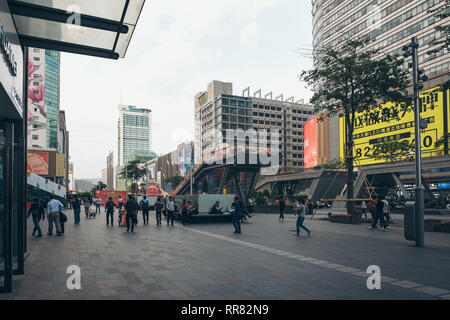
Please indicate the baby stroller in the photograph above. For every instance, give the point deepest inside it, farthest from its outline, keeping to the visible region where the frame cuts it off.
(92, 212)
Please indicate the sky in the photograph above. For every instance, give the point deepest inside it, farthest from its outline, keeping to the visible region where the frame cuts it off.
(177, 48)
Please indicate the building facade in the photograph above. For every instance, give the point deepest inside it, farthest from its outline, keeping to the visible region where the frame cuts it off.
(72, 187)
(218, 110)
(391, 23)
(135, 135)
(43, 98)
(110, 171)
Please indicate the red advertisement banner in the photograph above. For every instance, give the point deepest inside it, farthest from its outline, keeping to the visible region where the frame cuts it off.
(105, 195)
(311, 145)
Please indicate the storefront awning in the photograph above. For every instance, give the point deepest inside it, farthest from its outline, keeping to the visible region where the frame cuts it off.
(101, 28)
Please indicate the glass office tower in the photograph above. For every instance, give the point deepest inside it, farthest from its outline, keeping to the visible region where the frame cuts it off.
(391, 23)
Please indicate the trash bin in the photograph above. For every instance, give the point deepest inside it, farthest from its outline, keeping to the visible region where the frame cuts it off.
(408, 220)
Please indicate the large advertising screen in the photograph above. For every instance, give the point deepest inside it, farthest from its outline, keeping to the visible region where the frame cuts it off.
(105, 195)
(311, 147)
(391, 122)
(37, 162)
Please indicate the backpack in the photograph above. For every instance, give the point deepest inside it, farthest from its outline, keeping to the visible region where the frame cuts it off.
(62, 218)
(145, 205)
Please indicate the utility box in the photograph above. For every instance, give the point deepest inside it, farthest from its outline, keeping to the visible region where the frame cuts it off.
(409, 220)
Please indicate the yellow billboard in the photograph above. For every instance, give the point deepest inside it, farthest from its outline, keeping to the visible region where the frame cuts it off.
(392, 122)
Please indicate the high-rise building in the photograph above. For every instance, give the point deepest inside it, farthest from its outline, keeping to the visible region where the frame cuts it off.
(218, 110)
(391, 23)
(110, 171)
(135, 132)
(43, 98)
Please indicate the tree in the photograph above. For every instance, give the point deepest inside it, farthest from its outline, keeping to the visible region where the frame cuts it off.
(350, 79)
(101, 186)
(133, 171)
(175, 181)
(393, 150)
(443, 43)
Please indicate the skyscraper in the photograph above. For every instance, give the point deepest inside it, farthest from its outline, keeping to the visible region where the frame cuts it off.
(135, 135)
(391, 23)
(43, 98)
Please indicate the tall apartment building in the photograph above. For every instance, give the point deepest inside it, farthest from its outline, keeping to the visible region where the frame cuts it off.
(217, 110)
(135, 132)
(43, 98)
(391, 23)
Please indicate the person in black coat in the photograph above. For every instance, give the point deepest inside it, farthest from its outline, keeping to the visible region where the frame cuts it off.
(36, 211)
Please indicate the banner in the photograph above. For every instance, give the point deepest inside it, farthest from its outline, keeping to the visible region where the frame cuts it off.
(311, 145)
(153, 190)
(391, 122)
(37, 162)
(105, 195)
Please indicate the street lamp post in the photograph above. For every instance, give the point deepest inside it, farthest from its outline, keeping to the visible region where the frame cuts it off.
(418, 125)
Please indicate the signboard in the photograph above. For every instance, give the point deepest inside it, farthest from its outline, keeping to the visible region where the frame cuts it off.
(311, 146)
(443, 185)
(105, 195)
(60, 165)
(11, 66)
(37, 162)
(391, 122)
(153, 190)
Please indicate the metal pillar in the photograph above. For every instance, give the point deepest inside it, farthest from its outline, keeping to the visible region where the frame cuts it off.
(419, 212)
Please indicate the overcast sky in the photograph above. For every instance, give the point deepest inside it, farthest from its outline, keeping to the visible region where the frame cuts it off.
(177, 48)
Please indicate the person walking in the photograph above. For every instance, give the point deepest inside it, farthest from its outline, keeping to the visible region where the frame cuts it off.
(53, 208)
(372, 205)
(131, 208)
(158, 208)
(301, 218)
(36, 211)
(379, 215)
(86, 207)
(120, 202)
(386, 214)
(109, 209)
(363, 209)
(170, 210)
(145, 208)
(236, 215)
(98, 203)
(76, 210)
(282, 205)
(184, 212)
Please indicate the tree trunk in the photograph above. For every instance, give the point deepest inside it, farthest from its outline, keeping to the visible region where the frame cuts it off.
(349, 164)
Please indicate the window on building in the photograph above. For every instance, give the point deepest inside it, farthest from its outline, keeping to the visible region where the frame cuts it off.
(35, 137)
(233, 103)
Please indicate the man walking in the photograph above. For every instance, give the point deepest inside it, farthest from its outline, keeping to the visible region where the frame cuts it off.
(131, 207)
(53, 208)
(363, 209)
(379, 215)
(236, 215)
(301, 218)
(282, 205)
(98, 202)
(86, 207)
(145, 208)
(184, 212)
(158, 207)
(36, 212)
(170, 210)
(76, 210)
(109, 209)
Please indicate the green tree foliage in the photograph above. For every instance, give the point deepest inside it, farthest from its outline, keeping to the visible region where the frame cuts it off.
(443, 43)
(175, 181)
(133, 171)
(354, 79)
(393, 150)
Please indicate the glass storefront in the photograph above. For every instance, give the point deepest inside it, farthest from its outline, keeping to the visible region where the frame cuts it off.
(2, 204)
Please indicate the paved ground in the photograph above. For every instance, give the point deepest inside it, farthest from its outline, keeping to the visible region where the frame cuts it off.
(208, 261)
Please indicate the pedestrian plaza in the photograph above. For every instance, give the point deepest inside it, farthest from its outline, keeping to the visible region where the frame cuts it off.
(208, 261)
